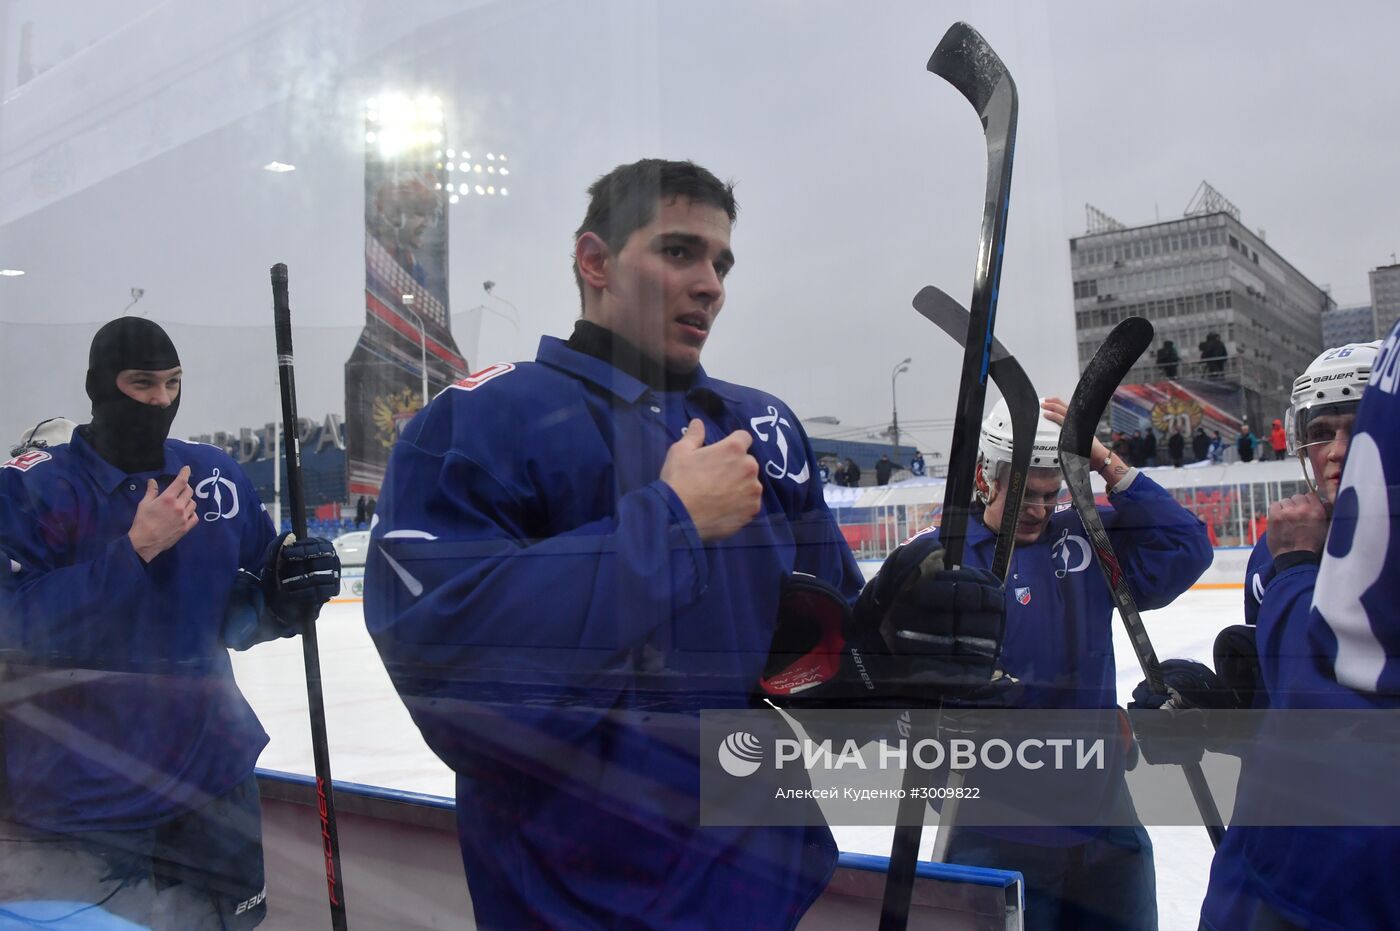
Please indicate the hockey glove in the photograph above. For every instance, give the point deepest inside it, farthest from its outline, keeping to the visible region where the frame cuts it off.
(1237, 662)
(1171, 727)
(935, 632)
(298, 577)
(809, 640)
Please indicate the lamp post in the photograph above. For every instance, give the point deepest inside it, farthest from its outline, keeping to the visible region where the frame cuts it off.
(894, 407)
(422, 343)
(514, 320)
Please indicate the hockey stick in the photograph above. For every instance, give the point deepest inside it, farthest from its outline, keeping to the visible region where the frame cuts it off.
(965, 60)
(1024, 405)
(1101, 378)
(1015, 386)
(330, 836)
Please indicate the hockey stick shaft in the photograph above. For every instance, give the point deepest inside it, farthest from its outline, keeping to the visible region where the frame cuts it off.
(325, 796)
(965, 60)
(1011, 380)
(1091, 397)
(1015, 386)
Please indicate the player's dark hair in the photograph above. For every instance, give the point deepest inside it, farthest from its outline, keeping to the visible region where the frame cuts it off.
(626, 198)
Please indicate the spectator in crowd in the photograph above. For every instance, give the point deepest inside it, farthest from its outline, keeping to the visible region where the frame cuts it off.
(1213, 354)
(852, 473)
(1217, 448)
(361, 512)
(1135, 449)
(1200, 445)
(1167, 358)
(369, 511)
(916, 465)
(1278, 440)
(883, 470)
(1149, 448)
(1245, 444)
(824, 471)
(1176, 445)
(838, 474)
(1121, 444)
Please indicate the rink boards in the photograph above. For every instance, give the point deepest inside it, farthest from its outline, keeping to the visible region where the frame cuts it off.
(402, 869)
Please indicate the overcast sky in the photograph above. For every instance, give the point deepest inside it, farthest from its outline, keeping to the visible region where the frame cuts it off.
(134, 161)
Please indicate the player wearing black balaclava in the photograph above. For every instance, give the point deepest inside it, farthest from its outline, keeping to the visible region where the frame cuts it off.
(128, 433)
(130, 758)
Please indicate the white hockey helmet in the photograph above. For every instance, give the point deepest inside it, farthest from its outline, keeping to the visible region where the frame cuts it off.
(1334, 381)
(994, 445)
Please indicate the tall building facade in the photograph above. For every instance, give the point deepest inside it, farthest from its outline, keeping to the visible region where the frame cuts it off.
(1385, 297)
(1195, 276)
(1349, 325)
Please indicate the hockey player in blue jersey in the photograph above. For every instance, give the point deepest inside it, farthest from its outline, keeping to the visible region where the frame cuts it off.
(129, 563)
(1059, 645)
(1327, 637)
(573, 556)
(1318, 421)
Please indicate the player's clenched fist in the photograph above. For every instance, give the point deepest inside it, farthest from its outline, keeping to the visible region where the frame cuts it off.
(163, 517)
(1297, 523)
(718, 484)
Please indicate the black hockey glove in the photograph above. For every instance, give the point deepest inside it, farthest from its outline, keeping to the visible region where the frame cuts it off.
(1237, 662)
(934, 633)
(298, 577)
(1172, 727)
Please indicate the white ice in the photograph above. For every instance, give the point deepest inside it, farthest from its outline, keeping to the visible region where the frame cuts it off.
(373, 741)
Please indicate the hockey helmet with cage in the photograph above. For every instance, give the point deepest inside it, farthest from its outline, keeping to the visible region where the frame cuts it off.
(994, 445)
(1331, 384)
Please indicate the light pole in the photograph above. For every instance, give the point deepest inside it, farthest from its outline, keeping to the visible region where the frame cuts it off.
(422, 343)
(894, 407)
(514, 320)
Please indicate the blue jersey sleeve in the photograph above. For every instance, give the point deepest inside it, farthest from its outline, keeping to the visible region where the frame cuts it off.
(1257, 576)
(1162, 547)
(49, 595)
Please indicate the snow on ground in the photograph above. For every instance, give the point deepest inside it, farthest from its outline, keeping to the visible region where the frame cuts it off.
(374, 741)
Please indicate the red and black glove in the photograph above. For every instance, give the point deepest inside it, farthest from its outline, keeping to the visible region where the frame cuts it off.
(919, 633)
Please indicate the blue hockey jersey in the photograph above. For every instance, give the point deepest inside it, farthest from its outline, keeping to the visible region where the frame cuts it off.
(122, 709)
(1060, 616)
(1059, 610)
(1329, 638)
(553, 623)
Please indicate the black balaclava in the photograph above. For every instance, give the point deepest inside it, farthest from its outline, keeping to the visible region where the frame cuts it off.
(128, 434)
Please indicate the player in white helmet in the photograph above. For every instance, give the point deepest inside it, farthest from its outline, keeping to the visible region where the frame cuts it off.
(1318, 424)
(1044, 481)
(1059, 646)
(1279, 585)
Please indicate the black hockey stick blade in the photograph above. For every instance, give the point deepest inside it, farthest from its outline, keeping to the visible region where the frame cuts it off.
(1123, 347)
(951, 317)
(1101, 378)
(965, 60)
(329, 845)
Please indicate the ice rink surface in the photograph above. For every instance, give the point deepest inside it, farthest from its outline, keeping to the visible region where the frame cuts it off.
(373, 740)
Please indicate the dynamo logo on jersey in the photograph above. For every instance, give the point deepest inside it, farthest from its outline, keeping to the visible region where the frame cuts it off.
(741, 754)
(778, 468)
(215, 488)
(1071, 553)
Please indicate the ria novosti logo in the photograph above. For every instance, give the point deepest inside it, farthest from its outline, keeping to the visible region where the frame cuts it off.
(741, 754)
